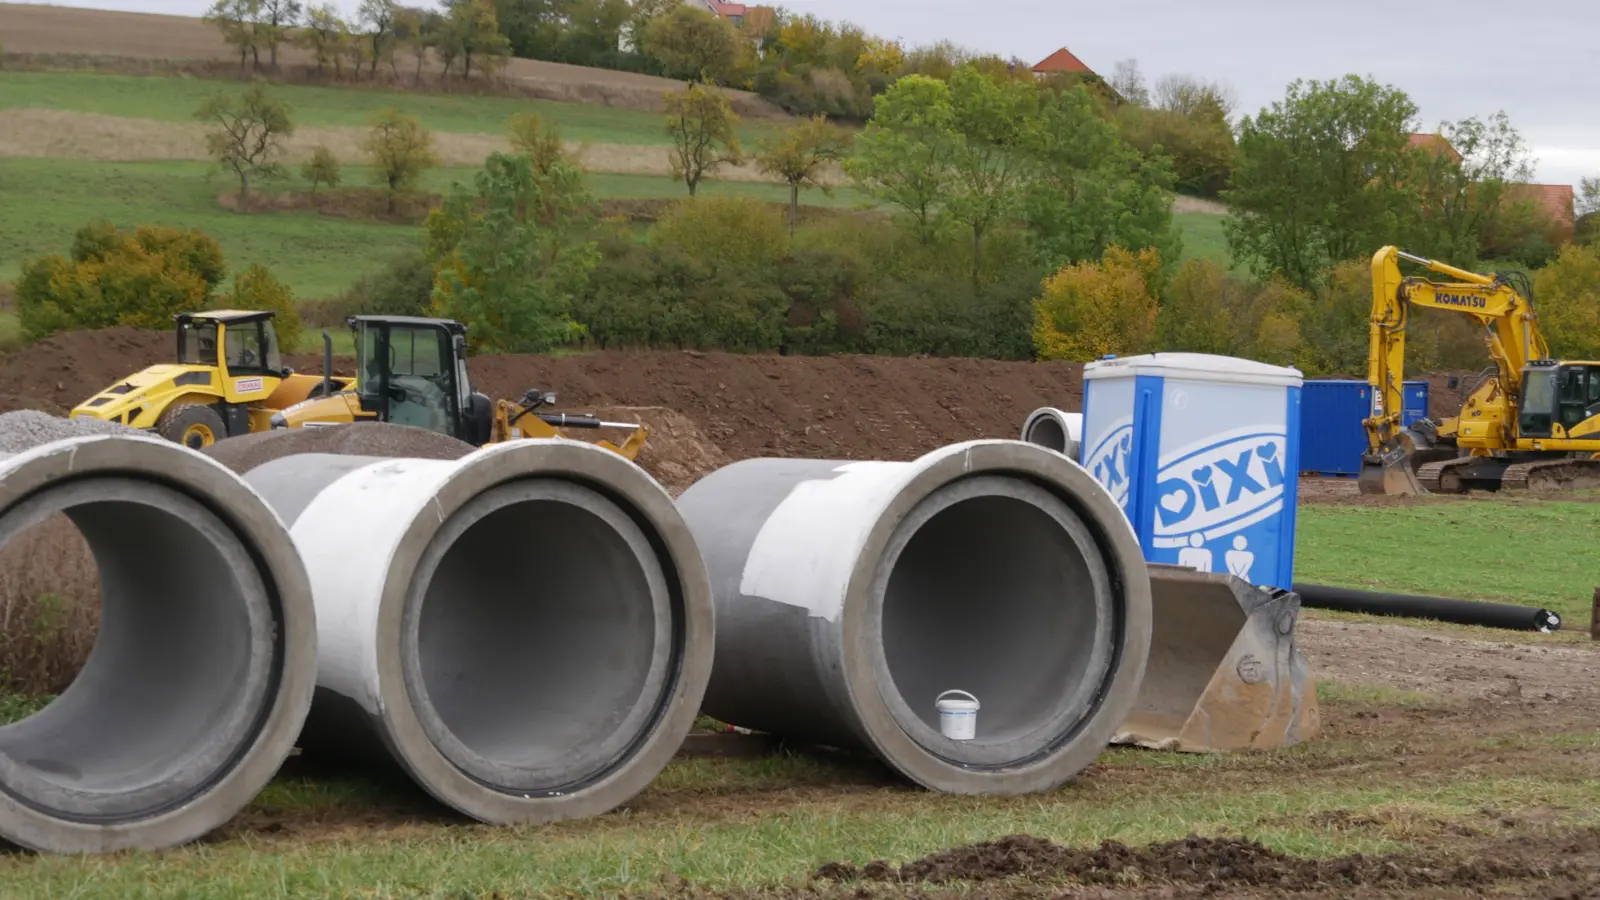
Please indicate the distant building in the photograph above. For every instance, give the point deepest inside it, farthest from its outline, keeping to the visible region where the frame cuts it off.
(1558, 201)
(1061, 62)
(1434, 142)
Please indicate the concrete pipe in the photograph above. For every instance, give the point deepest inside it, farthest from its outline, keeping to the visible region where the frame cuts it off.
(851, 595)
(203, 670)
(1054, 429)
(526, 631)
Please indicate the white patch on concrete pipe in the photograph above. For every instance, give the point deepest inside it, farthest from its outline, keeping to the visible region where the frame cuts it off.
(806, 549)
(347, 537)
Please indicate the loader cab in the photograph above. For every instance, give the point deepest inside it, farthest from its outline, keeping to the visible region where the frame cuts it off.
(412, 371)
(242, 342)
(1557, 394)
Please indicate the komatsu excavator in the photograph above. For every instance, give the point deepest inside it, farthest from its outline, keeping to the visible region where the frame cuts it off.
(1534, 424)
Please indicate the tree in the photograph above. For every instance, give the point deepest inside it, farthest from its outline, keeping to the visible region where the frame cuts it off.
(248, 133)
(417, 30)
(1128, 81)
(641, 14)
(257, 288)
(990, 166)
(502, 271)
(274, 20)
(1321, 176)
(1091, 309)
(1188, 96)
(1464, 200)
(797, 155)
(1567, 299)
(904, 155)
(539, 140)
(378, 16)
(400, 150)
(473, 33)
(321, 168)
(236, 19)
(701, 122)
(323, 36)
(692, 44)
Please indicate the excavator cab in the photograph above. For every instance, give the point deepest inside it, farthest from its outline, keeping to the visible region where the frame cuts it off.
(412, 371)
(1557, 398)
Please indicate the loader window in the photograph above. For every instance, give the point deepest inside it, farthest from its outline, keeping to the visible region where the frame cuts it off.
(422, 385)
(1578, 388)
(244, 347)
(197, 344)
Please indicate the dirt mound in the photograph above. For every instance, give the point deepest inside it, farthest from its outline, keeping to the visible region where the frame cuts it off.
(1193, 860)
(59, 372)
(676, 453)
(243, 453)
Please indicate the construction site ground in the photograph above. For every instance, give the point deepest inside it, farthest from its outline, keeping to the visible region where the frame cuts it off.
(1452, 762)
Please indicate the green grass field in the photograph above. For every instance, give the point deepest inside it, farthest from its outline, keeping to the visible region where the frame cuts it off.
(317, 256)
(167, 99)
(1536, 553)
(1203, 237)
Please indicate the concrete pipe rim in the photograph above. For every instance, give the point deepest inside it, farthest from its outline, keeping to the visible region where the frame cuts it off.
(1048, 428)
(1124, 672)
(689, 591)
(267, 738)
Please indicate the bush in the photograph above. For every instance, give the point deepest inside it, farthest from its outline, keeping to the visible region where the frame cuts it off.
(1567, 299)
(322, 169)
(257, 288)
(724, 232)
(1205, 309)
(141, 279)
(403, 287)
(1091, 309)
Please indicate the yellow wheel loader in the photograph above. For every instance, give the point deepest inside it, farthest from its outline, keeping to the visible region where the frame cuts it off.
(228, 380)
(413, 371)
(1534, 423)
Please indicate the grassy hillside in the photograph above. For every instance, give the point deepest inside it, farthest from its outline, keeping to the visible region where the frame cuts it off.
(166, 99)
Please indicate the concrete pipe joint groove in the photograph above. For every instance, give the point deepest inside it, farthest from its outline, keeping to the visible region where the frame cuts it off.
(203, 669)
(851, 595)
(526, 631)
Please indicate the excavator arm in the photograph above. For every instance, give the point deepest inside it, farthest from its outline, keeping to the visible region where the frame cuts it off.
(1513, 337)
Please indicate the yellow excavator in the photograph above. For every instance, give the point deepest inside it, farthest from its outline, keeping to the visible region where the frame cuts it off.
(413, 371)
(1533, 424)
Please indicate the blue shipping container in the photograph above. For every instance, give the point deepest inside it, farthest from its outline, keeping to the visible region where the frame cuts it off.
(1331, 437)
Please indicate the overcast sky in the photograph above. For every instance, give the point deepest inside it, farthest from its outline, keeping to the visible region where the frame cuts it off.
(1539, 60)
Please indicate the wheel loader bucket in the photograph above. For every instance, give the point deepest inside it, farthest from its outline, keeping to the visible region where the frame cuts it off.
(1224, 672)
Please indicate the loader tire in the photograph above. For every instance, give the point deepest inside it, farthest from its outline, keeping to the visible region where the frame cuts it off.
(194, 425)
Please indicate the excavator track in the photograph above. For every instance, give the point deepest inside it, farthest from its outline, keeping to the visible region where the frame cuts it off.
(1443, 476)
(1551, 476)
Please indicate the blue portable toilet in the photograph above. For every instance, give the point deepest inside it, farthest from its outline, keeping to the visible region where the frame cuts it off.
(1200, 452)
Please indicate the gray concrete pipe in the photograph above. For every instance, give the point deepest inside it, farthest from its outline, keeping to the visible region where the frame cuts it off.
(851, 594)
(203, 670)
(1054, 429)
(526, 631)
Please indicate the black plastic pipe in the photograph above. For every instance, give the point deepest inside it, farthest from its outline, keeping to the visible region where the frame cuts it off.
(1444, 609)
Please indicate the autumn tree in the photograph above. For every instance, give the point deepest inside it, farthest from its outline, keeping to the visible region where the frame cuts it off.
(798, 155)
(701, 122)
(418, 32)
(472, 34)
(321, 169)
(257, 288)
(1091, 309)
(400, 150)
(274, 22)
(378, 18)
(323, 36)
(691, 44)
(247, 133)
(236, 19)
(1567, 299)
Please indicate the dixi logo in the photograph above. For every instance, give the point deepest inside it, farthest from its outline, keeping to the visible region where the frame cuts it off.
(1108, 461)
(1219, 488)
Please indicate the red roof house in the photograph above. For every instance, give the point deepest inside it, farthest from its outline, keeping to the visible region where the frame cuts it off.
(1556, 200)
(1061, 62)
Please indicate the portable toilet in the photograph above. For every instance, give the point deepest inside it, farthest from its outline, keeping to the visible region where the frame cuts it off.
(1200, 451)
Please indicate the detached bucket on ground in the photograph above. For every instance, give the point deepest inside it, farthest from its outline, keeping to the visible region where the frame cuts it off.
(527, 630)
(851, 595)
(1224, 671)
(203, 669)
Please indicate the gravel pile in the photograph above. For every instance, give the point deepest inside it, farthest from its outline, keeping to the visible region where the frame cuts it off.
(243, 453)
(25, 429)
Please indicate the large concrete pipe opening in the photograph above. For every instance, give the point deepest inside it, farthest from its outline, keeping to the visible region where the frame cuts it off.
(202, 670)
(533, 622)
(850, 596)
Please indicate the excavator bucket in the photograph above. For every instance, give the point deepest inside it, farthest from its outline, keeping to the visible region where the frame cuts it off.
(1390, 473)
(1224, 672)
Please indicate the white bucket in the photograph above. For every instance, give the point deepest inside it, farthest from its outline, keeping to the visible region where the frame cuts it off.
(958, 719)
